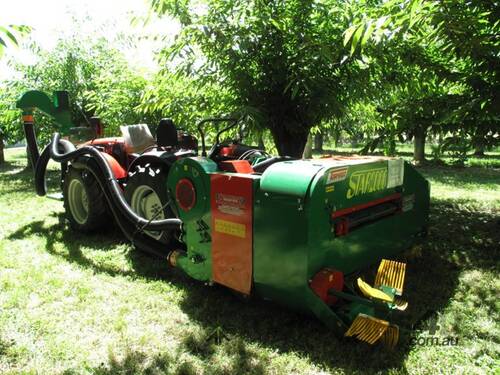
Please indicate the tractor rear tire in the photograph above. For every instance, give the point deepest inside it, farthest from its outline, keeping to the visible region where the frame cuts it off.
(146, 192)
(84, 202)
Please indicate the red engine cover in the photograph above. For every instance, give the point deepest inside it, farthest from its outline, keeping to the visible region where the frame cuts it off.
(117, 169)
(236, 166)
(107, 144)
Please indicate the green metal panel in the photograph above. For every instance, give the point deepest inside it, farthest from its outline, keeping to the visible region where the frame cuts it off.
(289, 177)
(198, 262)
(293, 230)
(57, 107)
(280, 249)
(294, 238)
(372, 242)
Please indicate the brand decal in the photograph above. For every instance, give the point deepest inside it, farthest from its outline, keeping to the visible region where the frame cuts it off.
(231, 228)
(367, 181)
(336, 175)
(230, 204)
(395, 175)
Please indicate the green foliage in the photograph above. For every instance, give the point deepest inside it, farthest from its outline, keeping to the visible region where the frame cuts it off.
(10, 34)
(441, 60)
(97, 77)
(376, 71)
(10, 118)
(381, 22)
(184, 100)
(282, 63)
(116, 93)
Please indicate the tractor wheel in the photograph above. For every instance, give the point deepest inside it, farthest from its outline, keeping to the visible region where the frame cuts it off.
(146, 192)
(84, 202)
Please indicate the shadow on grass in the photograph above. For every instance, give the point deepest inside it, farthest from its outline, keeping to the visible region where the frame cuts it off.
(60, 233)
(430, 282)
(459, 238)
(16, 178)
(456, 176)
(241, 361)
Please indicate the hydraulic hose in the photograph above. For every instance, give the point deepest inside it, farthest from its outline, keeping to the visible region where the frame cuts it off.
(43, 160)
(107, 181)
(137, 238)
(40, 169)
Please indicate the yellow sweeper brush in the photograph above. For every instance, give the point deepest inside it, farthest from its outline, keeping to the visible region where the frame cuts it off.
(389, 283)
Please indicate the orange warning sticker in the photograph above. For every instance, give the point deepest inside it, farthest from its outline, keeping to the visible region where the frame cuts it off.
(336, 175)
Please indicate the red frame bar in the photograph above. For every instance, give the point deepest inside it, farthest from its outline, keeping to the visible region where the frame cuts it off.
(349, 210)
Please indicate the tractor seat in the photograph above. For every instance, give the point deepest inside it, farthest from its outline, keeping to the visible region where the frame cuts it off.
(166, 133)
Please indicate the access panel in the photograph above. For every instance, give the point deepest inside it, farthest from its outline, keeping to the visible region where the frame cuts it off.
(231, 201)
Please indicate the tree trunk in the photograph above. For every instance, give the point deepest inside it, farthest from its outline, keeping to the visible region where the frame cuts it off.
(479, 150)
(419, 146)
(307, 154)
(336, 138)
(2, 156)
(318, 142)
(290, 143)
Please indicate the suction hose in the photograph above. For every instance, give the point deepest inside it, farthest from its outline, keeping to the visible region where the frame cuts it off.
(139, 239)
(108, 183)
(43, 160)
(39, 161)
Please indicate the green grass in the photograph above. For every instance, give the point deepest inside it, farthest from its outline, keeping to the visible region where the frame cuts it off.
(74, 304)
(491, 159)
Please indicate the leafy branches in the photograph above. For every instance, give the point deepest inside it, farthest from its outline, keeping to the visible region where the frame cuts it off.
(10, 34)
(382, 23)
(282, 63)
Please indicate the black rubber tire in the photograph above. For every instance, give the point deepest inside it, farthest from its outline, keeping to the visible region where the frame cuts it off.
(155, 177)
(98, 215)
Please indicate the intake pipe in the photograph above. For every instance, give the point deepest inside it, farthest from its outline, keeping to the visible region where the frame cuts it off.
(29, 133)
(43, 160)
(106, 179)
(136, 237)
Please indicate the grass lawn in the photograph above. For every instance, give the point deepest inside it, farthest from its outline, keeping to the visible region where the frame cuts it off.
(77, 304)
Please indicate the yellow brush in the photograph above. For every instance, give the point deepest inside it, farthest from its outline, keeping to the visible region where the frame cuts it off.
(367, 328)
(392, 274)
(390, 336)
(400, 304)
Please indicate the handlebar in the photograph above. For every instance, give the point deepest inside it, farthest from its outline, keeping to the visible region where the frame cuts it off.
(233, 122)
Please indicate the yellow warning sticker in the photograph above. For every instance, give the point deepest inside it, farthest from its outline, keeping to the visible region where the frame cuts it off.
(230, 227)
(330, 188)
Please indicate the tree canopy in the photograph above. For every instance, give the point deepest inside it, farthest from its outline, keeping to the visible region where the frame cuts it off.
(376, 72)
(282, 62)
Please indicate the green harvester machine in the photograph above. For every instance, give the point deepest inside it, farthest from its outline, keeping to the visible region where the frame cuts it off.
(297, 232)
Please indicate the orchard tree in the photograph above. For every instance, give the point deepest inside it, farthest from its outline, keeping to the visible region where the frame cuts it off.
(462, 38)
(99, 81)
(8, 36)
(471, 30)
(184, 100)
(282, 63)
(418, 93)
